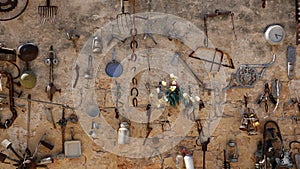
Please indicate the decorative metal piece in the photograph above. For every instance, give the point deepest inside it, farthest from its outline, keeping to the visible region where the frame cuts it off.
(247, 75)
(291, 61)
(11, 9)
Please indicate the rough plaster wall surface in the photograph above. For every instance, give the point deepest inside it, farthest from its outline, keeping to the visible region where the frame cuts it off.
(86, 17)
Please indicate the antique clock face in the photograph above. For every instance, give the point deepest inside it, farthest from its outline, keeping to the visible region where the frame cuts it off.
(274, 34)
(164, 43)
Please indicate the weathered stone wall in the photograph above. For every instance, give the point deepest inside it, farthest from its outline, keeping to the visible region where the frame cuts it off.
(87, 18)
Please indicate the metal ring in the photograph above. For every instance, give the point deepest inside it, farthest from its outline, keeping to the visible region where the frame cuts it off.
(133, 32)
(198, 141)
(137, 91)
(135, 102)
(133, 57)
(133, 69)
(134, 42)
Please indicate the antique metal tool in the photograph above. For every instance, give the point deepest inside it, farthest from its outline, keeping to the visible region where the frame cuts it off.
(276, 90)
(215, 14)
(51, 61)
(123, 18)
(221, 53)
(201, 142)
(149, 129)
(291, 61)
(267, 95)
(8, 145)
(247, 75)
(7, 54)
(180, 59)
(63, 123)
(9, 122)
(272, 145)
(297, 21)
(47, 12)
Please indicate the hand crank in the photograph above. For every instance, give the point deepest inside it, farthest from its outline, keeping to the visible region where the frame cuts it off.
(149, 129)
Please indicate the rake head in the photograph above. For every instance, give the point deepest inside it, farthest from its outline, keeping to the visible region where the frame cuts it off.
(124, 21)
(47, 12)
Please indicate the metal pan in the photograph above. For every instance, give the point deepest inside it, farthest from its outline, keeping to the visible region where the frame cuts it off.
(114, 68)
(28, 52)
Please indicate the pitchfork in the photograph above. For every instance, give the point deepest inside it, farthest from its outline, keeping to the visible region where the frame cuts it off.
(123, 17)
